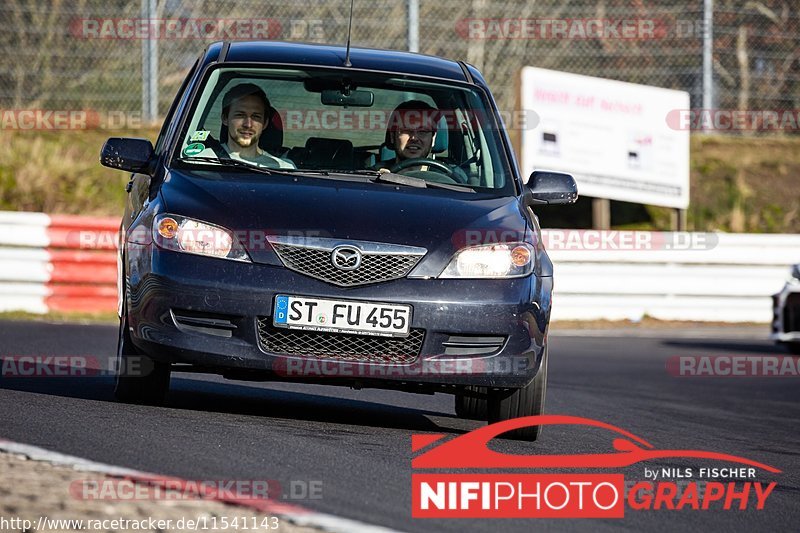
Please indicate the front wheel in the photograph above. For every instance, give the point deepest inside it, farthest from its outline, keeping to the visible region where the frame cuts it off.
(139, 379)
(515, 403)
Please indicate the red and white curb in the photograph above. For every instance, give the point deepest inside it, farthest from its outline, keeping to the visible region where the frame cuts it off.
(292, 513)
(57, 262)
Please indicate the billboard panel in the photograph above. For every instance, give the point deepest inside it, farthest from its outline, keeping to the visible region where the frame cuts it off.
(611, 135)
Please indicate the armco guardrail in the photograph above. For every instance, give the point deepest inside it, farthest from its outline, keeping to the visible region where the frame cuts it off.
(670, 276)
(57, 263)
(68, 263)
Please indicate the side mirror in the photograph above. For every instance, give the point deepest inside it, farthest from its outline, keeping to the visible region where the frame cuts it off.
(796, 271)
(132, 155)
(547, 187)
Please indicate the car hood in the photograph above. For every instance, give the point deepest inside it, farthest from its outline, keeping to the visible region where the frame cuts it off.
(440, 221)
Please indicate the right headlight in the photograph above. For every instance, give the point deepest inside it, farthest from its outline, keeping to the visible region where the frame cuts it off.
(498, 261)
(184, 234)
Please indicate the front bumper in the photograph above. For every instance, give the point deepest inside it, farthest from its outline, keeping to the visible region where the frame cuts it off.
(225, 300)
(786, 314)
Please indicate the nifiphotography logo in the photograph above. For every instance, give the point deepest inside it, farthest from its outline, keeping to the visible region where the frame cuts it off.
(723, 482)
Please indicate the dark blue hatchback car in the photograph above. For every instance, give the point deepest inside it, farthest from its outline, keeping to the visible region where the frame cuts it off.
(353, 218)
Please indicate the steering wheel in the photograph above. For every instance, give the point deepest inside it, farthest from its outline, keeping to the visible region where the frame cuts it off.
(424, 161)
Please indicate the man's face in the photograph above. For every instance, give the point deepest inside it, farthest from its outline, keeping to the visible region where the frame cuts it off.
(245, 121)
(413, 143)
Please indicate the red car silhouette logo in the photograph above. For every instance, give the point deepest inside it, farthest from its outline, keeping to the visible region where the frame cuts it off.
(470, 450)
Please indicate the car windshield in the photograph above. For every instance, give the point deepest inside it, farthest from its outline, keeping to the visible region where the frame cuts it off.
(347, 121)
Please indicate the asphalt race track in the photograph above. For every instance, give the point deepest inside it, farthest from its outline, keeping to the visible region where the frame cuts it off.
(357, 443)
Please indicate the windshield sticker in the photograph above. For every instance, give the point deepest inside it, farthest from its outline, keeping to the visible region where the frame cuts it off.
(199, 136)
(193, 149)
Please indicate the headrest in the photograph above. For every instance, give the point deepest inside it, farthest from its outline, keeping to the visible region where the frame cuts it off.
(329, 153)
(442, 137)
(271, 138)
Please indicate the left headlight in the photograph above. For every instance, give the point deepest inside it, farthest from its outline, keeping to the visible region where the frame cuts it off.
(504, 260)
(192, 236)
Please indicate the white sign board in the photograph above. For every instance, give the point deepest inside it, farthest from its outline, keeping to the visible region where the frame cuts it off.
(611, 135)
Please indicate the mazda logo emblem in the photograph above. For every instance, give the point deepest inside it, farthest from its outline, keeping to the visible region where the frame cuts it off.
(346, 257)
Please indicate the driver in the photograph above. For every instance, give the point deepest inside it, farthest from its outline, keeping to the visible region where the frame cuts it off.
(411, 133)
(244, 111)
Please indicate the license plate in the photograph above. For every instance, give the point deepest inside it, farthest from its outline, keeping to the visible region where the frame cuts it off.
(342, 316)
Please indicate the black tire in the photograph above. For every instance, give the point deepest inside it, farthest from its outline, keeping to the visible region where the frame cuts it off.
(471, 408)
(793, 347)
(515, 403)
(139, 379)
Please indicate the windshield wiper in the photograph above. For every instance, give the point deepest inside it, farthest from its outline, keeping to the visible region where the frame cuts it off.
(359, 172)
(329, 172)
(399, 179)
(449, 186)
(227, 161)
(382, 177)
(230, 162)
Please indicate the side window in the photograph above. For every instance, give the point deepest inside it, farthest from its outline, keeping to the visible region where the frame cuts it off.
(163, 134)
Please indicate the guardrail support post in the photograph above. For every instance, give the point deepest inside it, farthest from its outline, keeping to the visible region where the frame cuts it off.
(601, 213)
(678, 221)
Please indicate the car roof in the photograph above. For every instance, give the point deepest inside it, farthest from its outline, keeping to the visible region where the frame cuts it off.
(333, 56)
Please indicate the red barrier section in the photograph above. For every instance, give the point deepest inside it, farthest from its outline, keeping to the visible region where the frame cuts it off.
(84, 273)
(83, 233)
(83, 263)
(82, 222)
(82, 298)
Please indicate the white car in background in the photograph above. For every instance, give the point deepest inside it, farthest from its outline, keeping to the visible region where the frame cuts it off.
(786, 313)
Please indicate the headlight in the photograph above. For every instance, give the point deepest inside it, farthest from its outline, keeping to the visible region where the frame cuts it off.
(195, 237)
(506, 260)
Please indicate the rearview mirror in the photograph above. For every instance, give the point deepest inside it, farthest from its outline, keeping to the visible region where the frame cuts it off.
(351, 98)
(547, 187)
(132, 155)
